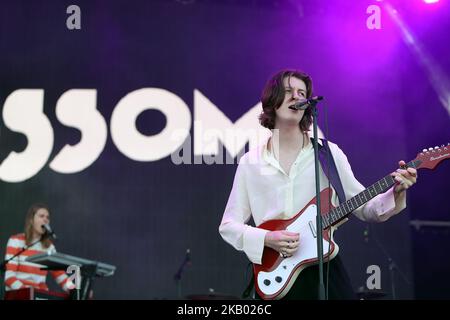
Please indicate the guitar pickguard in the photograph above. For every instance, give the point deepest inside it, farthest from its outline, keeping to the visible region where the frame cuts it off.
(271, 282)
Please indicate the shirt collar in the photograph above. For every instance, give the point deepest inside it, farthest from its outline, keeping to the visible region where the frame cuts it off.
(267, 152)
(268, 155)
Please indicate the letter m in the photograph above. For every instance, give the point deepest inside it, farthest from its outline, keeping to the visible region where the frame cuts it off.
(212, 126)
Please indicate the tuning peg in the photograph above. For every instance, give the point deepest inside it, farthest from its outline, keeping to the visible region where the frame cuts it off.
(429, 149)
(424, 150)
(436, 148)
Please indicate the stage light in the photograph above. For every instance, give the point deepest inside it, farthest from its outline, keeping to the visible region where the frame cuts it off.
(430, 1)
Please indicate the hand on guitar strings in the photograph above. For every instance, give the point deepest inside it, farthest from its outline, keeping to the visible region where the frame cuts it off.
(282, 241)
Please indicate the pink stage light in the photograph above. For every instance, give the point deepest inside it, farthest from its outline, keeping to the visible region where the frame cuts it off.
(430, 1)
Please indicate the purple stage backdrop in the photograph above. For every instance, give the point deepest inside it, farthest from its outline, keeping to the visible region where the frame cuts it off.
(98, 98)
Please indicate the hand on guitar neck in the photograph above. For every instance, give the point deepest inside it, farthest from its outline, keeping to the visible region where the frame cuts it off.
(405, 178)
(282, 241)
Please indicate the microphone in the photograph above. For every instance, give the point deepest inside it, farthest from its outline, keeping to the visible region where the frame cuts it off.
(305, 103)
(49, 231)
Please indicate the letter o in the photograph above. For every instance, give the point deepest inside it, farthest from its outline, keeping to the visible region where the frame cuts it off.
(139, 147)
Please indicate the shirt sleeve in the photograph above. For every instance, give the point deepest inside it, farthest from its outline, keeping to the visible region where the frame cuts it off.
(380, 208)
(11, 280)
(62, 280)
(234, 228)
(60, 276)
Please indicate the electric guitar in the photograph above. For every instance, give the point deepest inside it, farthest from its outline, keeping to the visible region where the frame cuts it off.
(275, 275)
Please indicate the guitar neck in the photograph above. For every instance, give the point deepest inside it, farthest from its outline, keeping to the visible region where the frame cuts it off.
(347, 207)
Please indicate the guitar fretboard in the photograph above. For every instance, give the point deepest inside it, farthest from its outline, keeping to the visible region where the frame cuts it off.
(347, 207)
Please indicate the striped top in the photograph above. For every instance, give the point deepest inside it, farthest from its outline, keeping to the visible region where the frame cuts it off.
(21, 274)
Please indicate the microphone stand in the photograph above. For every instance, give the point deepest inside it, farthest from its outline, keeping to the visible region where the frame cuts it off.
(5, 262)
(177, 276)
(319, 228)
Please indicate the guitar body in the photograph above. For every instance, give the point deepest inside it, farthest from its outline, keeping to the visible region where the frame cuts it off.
(275, 275)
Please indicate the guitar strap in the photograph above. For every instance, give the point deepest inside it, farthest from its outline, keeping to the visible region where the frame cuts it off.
(329, 168)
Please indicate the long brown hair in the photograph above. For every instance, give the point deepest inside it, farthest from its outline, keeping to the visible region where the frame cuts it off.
(29, 224)
(273, 96)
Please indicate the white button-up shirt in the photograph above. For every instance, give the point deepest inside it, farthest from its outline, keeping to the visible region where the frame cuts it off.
(263, 191)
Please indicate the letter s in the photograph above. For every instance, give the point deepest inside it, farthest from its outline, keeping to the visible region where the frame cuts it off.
(23, 112)
(77, 108)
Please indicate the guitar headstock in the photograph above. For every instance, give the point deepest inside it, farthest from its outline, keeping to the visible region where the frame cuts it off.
(430, 158)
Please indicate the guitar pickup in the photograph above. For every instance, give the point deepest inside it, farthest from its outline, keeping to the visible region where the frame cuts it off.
(313, 229)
